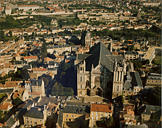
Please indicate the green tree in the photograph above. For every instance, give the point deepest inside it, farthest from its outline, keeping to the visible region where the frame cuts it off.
(2, 96)
(106, 123)
(10, 33)
(20, 74)
(110, 122)
(2, 36)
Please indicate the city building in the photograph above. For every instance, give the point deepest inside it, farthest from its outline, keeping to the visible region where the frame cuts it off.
(36, 116)
(154, 79)
(72, 113)
(98, 112)
(149, 111)
(95, 71)
(127, 115)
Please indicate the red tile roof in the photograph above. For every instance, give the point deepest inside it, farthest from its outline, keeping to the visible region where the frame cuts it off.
(12, 83)
(30, 57)
(39, 69)
(35, 93)
(67, 61)
(1, 85)
(48, 59)
(5, 106)
(1, 9)
(101, 107)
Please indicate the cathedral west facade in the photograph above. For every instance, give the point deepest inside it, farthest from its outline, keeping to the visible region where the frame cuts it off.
(103, 74)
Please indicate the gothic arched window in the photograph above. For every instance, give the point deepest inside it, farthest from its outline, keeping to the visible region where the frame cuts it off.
(97, 80)
(87, 84)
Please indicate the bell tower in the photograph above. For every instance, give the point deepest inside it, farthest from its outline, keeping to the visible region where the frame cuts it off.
(118, 81)
(88, 39)
(43, 89)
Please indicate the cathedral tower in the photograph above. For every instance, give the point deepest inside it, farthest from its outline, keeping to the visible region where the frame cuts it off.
(118, 81)
(43, 89)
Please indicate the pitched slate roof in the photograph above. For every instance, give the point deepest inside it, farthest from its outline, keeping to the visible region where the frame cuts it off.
(10, 122)
(127, 85)
(34, 113)
(136, 80)
(73, 108)
(99, 54)
(137, 126)
(151, 109)
(82, 57)
(154, 76)
(6, 90)
(76, 109)
(46, 100)
(133, 80)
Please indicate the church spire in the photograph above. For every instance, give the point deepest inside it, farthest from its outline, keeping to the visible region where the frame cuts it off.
(43, 89)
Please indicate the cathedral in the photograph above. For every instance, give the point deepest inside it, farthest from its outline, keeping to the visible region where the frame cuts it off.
(101, 73)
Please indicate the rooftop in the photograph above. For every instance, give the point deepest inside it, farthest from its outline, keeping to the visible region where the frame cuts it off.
(35, 112)
(99, 54)
(136, 79)
(101, 108)
(77, 109)
(151, 109)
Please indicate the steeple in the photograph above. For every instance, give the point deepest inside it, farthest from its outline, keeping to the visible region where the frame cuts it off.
(43, 89)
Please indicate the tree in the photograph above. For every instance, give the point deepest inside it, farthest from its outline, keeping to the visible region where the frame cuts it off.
(10, 33)
(74, 40)
(110, 122)
(20, 74)
(106, 123)
(76, 15)
(1, 35)
(2, 96)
